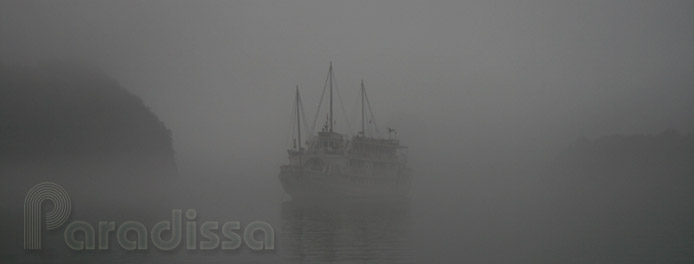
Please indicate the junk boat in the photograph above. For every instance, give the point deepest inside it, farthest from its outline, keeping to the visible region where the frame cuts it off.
(329, 165)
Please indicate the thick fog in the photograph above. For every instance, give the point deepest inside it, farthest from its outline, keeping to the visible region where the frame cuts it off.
(487, 95)
(526, 74)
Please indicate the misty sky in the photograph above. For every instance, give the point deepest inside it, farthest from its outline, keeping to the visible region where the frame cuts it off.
(488, 76)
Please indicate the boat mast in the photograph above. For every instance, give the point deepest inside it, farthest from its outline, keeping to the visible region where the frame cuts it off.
(298, 118)
(330, 75)
(362, 109)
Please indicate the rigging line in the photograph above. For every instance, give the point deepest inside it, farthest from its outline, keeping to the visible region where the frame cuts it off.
(315, 118)
(298, 118)
(303, 116)
(373, 117)
(342, 105)
(354, 111)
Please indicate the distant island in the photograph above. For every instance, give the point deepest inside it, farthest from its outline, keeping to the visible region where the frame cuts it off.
(72, 124)
(656, 157)
(623, 193)
(614, 167)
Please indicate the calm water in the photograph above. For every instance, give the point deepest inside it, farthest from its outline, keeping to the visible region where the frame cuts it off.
(458, 223)
(305, 233)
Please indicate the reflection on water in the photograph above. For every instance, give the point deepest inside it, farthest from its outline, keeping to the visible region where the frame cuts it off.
(305, 233)
(345, 232)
